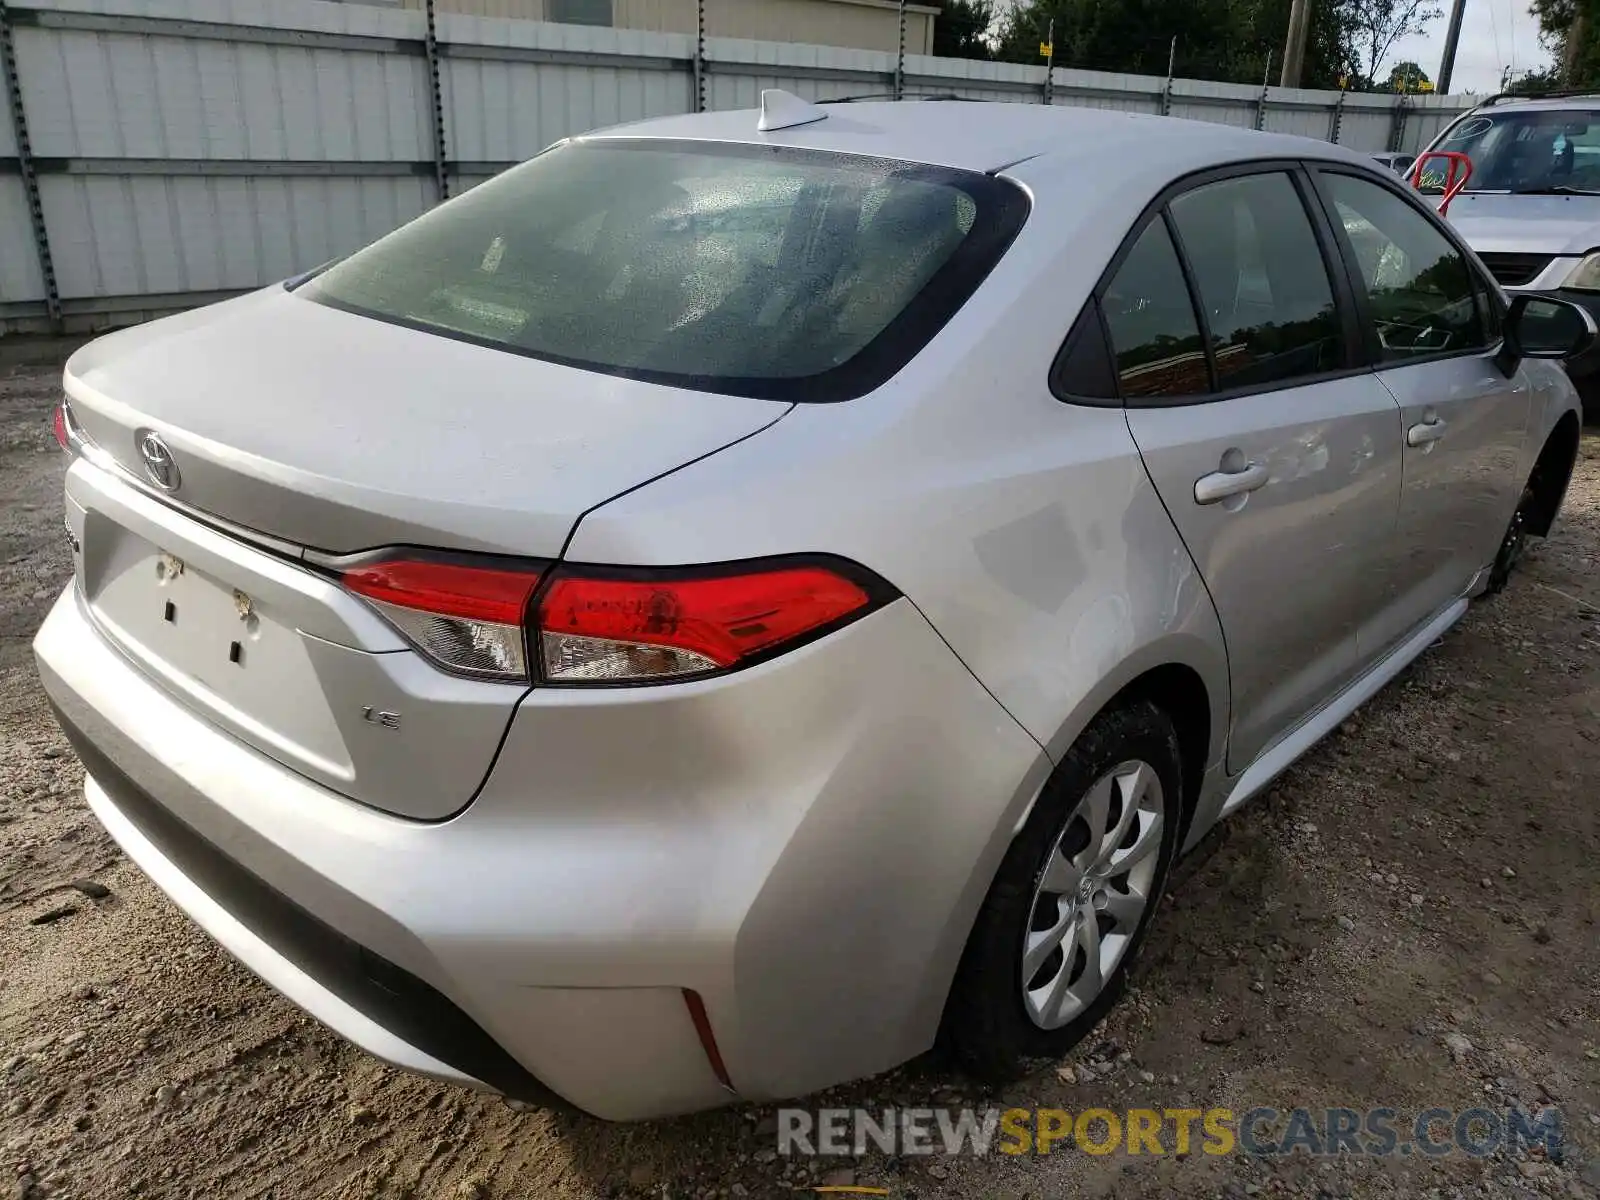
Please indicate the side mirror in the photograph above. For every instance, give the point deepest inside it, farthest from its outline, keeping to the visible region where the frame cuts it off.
(1544, 327)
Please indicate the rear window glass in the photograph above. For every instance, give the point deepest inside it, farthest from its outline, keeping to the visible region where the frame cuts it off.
(749, 270)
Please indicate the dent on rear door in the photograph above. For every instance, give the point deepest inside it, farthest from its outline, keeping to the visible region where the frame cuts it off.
(1290, 566)
(1285, 496)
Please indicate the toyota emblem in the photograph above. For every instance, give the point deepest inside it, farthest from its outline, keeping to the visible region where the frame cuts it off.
(158, 462)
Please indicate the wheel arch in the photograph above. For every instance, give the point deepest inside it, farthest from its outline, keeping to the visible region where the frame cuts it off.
(1552, 472)
(1178, 690)
(1187, 678)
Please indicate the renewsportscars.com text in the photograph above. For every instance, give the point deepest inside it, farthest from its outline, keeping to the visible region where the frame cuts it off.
(1261, 1132)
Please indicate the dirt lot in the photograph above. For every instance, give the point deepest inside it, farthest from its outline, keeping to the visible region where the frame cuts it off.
(1432, 872)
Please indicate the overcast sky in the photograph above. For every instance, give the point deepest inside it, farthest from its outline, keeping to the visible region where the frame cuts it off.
(1495, 34)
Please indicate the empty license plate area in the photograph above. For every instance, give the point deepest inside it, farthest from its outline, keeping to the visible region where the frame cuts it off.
(229, 652)
(280, 656)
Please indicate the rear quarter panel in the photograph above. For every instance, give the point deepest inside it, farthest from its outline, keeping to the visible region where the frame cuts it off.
(1025, 529)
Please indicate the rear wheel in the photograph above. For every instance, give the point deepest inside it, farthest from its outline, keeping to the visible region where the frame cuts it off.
(1072, 901)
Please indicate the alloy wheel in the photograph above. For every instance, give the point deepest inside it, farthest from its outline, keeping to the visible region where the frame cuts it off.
(1093, 894)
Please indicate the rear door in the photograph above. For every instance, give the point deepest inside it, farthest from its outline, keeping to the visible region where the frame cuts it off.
(1432, 323)
(1274, 448)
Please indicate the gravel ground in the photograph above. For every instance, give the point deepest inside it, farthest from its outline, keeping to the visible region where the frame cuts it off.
(1407, 920)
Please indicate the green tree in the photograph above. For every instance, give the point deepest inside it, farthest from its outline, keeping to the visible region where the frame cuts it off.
(1329, 55)
(1406, 76)
(1570, 30)
(1547, 80)
(961, 29)
(1134, 36)
(1239, 40)
(1236, 40)
(1374, 26)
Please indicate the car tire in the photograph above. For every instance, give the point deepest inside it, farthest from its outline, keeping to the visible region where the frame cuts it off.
(1589, 397)
(1515, 541)
(1058, 874)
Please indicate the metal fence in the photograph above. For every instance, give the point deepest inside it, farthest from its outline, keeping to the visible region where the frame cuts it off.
(165, 153)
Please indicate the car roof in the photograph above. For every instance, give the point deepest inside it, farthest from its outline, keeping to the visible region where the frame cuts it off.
(979, 136)
(1588, 102)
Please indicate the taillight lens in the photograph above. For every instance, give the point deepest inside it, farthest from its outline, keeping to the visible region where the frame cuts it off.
(69, 434)
(603, 625)
(607, 626)
(467, 618)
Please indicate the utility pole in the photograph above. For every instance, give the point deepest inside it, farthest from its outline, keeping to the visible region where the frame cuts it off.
(1294, 50)
(1452, 39)
(1049, 49)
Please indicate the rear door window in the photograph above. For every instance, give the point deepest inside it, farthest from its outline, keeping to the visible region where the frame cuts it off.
(1263, 284)
(1154, 332)
(752, 270)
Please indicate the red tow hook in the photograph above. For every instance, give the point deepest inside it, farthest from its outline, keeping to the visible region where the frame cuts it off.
(1452, 185)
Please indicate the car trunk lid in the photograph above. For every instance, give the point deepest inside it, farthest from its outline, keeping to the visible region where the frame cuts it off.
(338, 432)
(297, 426)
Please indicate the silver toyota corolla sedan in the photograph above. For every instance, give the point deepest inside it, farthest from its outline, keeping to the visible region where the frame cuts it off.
(741, 599)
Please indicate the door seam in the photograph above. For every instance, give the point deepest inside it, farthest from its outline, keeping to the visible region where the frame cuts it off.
(1216, 613)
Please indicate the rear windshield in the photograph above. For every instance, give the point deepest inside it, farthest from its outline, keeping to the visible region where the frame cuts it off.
(1532, 150)
(750, 270)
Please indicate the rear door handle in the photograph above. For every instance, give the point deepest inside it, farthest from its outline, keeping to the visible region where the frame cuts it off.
(1219, 485)
(1425, 434)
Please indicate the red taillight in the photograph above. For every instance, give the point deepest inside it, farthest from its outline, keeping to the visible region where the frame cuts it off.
(610, 626)
(470, 592)
(467, 618)
(63, 438)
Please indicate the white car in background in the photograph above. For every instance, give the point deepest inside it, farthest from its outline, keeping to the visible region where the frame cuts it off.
(1398, 163)
(1531, 208)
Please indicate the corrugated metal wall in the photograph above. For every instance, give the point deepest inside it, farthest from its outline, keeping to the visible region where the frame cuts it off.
(187, 149)
(859, 24)
(19, 262)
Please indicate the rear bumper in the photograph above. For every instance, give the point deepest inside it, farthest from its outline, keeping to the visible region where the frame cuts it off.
(389, 1012)
(803, 845)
